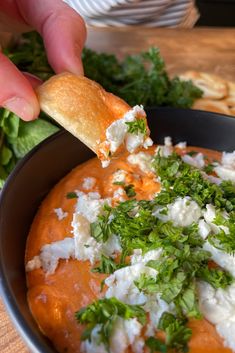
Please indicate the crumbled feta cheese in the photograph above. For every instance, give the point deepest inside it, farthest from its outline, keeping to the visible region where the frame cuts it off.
(124, 334)
(165, 151)
(168, 141)
(196, 161)
(133, 141)
(226, 170)
(212, 178)
(148, 142)
(228, 158)
(218, 307)
(226, 329)
(88, 183)
(203, 228)
(209, 215)
(118, 194)
(119, 176)
(181, 145)
(50, 254)
(225, 173)
(137, 256)
(94, 345)
(121, 283)
(182, 212)
(33, 264)
(156, 306)
(111, 246)
(143, 160)
(90, 205)
(60, 213)
(117, 132)
(86, 247)
(223, 259)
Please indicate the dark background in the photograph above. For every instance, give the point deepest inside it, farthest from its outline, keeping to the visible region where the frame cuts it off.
(216, 13)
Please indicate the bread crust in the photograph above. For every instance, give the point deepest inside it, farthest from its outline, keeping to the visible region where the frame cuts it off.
(81, 106)
(213, 87)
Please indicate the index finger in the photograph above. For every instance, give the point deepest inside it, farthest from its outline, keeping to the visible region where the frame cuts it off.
(62, 29)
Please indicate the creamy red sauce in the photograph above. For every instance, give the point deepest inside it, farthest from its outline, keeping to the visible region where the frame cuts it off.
(53, 299)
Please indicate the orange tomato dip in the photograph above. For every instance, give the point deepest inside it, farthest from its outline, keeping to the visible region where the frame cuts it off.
(53, 299)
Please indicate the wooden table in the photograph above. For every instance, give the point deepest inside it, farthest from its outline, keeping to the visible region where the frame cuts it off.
(210, 50)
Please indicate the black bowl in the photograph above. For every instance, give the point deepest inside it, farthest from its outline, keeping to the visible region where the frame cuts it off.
(35, 175)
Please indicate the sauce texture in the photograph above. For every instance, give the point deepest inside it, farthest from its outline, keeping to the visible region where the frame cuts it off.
(53, 299)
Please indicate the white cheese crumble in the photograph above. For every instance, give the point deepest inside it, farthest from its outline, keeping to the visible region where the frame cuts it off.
(90, 205)
(88, 183)
(143, 160)
(121, 284)
(226, 169)
(213, 179)
(209, 215)
(138, 257)
(119, 194)
(116, 133)
(182, 212)
(119, 176)
(167, 149)
(86, 247)
(33, 264)
(50, 255)
(94, 345)
(223, 259)
(60, 213)
(218, 307)
(196, 161)
(182, 145)
(125, 333)
(156, 306)
(203, 229)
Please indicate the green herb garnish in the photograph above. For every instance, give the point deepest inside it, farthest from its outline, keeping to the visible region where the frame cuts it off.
(130, 191)
(105, 312)
(107, 265)
(71, 195)
(177, 334)
(137, 126)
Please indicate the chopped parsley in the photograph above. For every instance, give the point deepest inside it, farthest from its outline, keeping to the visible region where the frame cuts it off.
(179, 179)
(137, 126)
(104, 312)
(177, 334)
(182, 260)
(71, 195)
(107, 265)
(119, 183)
(130, 191)
(156, 345)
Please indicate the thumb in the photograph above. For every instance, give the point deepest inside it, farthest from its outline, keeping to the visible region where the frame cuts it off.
(16, 93)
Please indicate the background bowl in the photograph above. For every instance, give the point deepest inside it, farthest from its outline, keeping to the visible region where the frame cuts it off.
(46, 164)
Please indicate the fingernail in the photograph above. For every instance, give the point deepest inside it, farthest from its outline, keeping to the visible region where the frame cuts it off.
(20, 107)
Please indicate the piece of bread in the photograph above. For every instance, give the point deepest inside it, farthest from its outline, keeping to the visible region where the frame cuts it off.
(230, 102)
(81, 106)
(213, 87)
(212, 106)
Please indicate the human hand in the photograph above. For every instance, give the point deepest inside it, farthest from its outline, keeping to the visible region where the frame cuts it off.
(64, 34)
